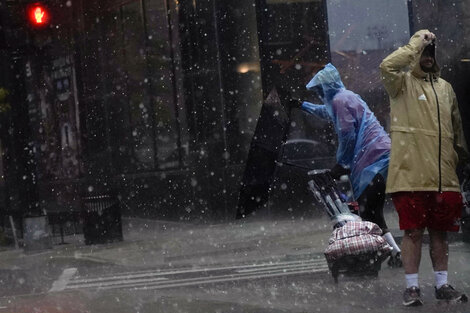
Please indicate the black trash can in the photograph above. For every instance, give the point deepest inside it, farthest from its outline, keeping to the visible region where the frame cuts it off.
(101, 215)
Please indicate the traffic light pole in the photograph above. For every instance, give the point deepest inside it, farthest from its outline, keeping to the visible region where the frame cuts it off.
(23, 132)
(24, 149)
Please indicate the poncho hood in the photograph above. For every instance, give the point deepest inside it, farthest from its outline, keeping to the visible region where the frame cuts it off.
(329, 80)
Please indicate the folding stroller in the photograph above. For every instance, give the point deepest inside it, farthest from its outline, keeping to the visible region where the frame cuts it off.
(355, 246)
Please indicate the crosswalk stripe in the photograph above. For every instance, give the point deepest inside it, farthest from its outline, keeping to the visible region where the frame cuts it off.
(116, 277)
(61, 283)
(225, 279)
(273, 268)
(157, 279)
(144, 283)
(277, 268)
(111, 283)
(196, 270)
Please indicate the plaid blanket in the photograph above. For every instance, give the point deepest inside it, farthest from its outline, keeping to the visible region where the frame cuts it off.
(356, 238)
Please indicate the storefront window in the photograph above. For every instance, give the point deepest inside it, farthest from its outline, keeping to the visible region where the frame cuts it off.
(241, 76)
(116, 85)
(162, 66)
(139, 88)
(294, 42)
(361, 34)
(137, 80)
(294, 45)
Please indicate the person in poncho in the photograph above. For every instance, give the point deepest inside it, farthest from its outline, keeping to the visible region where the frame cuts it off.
(363, 147)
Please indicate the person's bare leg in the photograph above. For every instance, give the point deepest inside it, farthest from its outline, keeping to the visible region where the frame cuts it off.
(438, 249)
(411, 250)
(411, 257)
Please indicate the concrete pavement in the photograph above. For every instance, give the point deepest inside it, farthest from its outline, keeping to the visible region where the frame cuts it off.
(160, 248)
(153, 243)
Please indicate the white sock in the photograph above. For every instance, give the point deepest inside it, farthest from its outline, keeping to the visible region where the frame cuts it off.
(441, 278)
(411, 280)
(389, 238)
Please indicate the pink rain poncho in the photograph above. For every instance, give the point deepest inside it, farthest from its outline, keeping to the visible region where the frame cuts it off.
(363, 144)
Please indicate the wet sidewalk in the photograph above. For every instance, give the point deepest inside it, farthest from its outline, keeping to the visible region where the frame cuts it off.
(162, 244)
(153, 248)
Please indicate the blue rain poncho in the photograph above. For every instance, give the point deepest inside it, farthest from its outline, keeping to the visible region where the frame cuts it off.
(363, 144)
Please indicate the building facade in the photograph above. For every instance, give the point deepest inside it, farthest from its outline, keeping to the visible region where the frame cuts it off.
(158, 99)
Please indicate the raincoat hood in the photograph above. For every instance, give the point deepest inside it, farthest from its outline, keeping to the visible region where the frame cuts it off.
(328, 80)
(416, 69)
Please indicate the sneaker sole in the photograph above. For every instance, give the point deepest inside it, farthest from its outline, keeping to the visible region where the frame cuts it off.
(461, 299)
(415, 302)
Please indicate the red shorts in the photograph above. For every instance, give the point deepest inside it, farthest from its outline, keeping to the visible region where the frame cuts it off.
(434, 210)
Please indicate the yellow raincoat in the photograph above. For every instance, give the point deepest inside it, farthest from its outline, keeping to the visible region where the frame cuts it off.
(426, 128)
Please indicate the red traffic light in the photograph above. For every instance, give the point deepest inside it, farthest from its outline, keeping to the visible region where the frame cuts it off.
(38, 15)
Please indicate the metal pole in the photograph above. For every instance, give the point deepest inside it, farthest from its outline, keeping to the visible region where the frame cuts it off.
(13, 229)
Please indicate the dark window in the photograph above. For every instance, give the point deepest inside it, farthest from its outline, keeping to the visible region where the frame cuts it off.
(294, 45)
(133, 67)
(163, 75)
(360, 39)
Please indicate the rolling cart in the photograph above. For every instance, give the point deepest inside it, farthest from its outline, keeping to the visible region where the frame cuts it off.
(355, 247)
